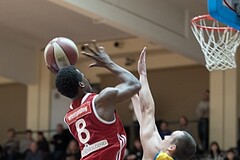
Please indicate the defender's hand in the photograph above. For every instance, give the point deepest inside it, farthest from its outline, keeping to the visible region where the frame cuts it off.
(142, 62)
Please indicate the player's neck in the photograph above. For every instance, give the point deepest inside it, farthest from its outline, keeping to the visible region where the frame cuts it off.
(80, 96)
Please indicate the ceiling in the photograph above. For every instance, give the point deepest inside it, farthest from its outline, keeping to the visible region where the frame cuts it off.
(26, 26)
(33, 23)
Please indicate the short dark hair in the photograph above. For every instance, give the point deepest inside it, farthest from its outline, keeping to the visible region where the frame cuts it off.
(67, 81)
(40, 133)
(12, 130)
(185, 146)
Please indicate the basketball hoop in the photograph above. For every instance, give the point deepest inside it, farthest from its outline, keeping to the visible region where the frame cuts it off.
(218, 43)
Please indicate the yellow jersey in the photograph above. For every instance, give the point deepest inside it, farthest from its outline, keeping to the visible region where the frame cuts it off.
(163, 156)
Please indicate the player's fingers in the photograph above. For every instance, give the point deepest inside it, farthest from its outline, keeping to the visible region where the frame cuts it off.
(93, 65)
(89, 48)
(142, 55)
(144, 49)
(101, 48)
(94, 42)
(87, 54)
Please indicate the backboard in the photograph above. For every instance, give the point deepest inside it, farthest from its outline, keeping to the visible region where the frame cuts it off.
(226, 12)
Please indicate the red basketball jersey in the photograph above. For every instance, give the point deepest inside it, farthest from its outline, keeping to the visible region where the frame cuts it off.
(98, 139)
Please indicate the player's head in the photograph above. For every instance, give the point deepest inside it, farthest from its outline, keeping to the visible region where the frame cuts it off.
(28, 133)
(206, 95)
(11, 133)
(70, 82)
(214, 149)
(183, 121)
(180, 145)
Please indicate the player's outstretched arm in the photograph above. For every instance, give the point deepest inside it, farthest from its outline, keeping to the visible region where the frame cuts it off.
(129, 85)
(149, 135)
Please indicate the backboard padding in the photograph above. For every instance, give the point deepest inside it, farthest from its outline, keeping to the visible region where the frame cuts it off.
(219, 11)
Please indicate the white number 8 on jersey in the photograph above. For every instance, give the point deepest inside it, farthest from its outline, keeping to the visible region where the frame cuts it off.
(80, 127)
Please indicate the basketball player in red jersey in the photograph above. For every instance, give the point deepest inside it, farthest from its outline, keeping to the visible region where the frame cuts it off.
(179, 145)
(92, 118)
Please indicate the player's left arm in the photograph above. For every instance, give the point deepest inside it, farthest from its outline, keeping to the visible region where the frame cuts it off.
(149, 135)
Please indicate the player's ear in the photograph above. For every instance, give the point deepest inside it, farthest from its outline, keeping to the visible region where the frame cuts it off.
(172, 148)
(81, 84)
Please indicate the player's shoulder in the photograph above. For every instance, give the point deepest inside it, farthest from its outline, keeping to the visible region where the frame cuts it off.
(107, 95)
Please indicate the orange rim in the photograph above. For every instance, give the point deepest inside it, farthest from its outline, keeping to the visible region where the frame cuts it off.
(196, 19)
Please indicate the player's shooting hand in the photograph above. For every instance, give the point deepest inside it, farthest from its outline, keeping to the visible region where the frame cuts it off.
(142, 62)
(97, 53)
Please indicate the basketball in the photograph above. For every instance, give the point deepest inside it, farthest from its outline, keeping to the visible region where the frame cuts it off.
(60, 52)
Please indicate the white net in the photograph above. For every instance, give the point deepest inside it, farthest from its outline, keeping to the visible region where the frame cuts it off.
(218, 43)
